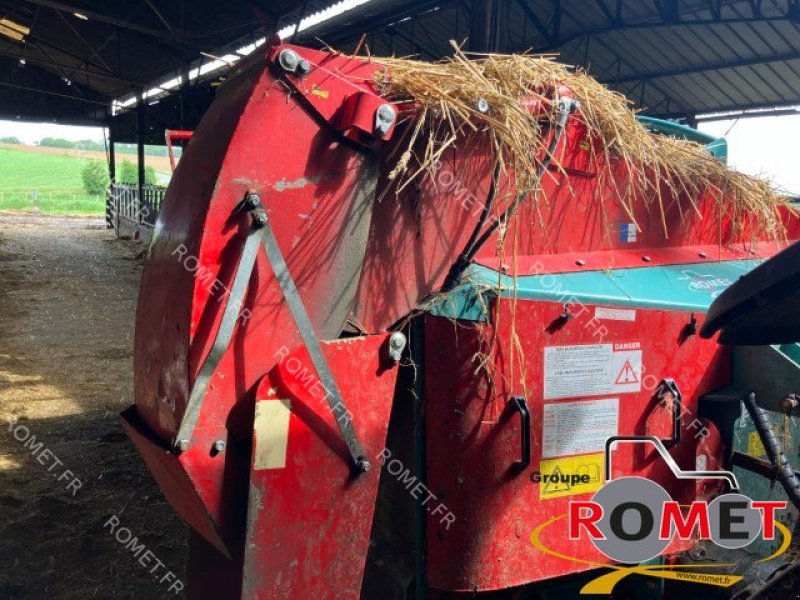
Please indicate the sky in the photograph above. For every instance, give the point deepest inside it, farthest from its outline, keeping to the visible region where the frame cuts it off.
(764, 146)
(29, 133)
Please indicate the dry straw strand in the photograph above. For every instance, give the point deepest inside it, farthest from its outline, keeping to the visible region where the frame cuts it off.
(447, 94)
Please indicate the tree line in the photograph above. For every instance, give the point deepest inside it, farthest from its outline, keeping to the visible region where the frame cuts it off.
(96, 181)
(51, 142)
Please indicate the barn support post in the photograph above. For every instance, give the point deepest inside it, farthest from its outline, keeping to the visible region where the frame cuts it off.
(112, 156)
(112, 176)
(141, 117)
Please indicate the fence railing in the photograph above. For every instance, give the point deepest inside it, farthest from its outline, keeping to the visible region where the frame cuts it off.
(128, 213)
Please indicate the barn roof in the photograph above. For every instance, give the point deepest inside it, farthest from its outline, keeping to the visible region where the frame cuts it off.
(68, 59)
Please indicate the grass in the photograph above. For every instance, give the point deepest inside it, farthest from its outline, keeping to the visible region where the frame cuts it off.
(45, 182)
(56, 203)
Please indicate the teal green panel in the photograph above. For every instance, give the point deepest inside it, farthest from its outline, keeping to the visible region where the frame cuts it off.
(689, 287)
(792, 351)
(746, 441)
(468, 301)
(718, 147)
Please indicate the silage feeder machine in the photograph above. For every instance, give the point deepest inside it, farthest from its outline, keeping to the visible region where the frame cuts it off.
(348, 392)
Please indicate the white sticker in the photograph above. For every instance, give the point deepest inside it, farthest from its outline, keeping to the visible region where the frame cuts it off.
(271, 428)
(614, 314)
(578, 427)
(592, 370)
(627, 368)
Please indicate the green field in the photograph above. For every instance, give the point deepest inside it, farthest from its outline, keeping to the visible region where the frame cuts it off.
(49, 183)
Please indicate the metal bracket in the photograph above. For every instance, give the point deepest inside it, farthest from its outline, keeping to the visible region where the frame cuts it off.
(233, 306)
(306, 329)
(261, 233)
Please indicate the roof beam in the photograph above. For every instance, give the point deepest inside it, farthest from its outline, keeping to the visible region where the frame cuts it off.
(659, 24)
(749, 62)
(556, 22)
(534, 18)
(655, 86)
(157, 13)
(72, 68)
(670, 11)
(715, 8)
(92, 52)
(60, 6)
(607, 12)
(51, 93)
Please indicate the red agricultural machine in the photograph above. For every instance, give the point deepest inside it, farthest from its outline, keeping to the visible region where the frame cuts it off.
(348, 393)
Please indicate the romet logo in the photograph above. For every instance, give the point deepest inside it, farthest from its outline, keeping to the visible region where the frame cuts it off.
(633, 520)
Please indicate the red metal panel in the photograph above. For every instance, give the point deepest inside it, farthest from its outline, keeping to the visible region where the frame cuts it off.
(256, 137)
(417, 233)
(573, 262)
(473, 440)
(176, 485)
(309, 520)
(262, 136)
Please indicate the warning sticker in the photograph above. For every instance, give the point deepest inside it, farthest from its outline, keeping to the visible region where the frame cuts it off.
(627, 368)
(580, 427)
(755, 447)
(592, 370)
(571, 476)
(614, 314)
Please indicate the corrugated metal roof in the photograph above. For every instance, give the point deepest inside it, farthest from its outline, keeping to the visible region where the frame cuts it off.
(701, 56)
(671, 57)
(81, 54)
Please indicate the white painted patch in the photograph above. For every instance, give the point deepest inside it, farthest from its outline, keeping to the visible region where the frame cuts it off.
(580, 427)
(271, 427)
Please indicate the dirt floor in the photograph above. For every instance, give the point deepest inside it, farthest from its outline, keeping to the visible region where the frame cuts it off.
(67, 298)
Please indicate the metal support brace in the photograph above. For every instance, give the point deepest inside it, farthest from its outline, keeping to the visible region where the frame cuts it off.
(262, 234)
(222, 341)
(311, 343)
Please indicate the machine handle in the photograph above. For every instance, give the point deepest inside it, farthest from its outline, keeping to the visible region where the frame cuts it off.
(519, 404)
(668, 386)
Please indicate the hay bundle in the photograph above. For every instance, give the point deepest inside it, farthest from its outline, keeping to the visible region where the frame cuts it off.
(448, 94)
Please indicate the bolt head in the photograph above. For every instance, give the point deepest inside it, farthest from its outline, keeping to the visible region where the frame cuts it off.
(261, 218)
(364, 465)
(397, 343)
(482, 105)
(219, 445)
(386, 113)
(303, 67)
(183, 445)
(288, 60)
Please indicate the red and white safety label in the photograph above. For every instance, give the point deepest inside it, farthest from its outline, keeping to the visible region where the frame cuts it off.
(592, 370)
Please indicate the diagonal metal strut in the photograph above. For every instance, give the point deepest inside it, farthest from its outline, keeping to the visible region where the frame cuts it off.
(262, 234)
